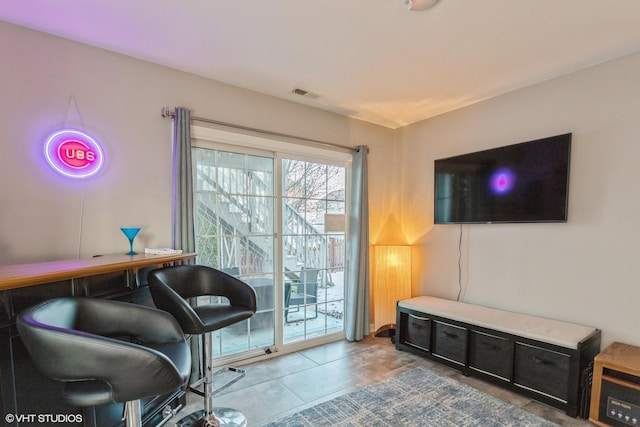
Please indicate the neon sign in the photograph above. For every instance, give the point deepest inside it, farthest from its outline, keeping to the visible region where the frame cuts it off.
(74, 154)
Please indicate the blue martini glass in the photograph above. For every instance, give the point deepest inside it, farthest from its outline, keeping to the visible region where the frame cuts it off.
(131, 233)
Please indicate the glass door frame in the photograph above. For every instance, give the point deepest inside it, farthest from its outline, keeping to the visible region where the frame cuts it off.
(231, 140)
(311, 269)
(247, 271)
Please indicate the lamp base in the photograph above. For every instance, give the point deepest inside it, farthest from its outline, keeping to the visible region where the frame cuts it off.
(386, 330)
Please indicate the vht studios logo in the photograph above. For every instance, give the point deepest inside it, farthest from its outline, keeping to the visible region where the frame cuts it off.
(46, 419)
(74, 154)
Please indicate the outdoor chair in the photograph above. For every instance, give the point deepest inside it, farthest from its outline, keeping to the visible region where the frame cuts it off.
(305, 294)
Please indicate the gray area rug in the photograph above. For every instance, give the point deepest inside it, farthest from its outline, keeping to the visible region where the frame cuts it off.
(418, 397)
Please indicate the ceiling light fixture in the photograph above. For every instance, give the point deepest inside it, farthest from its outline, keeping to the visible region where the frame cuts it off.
(417, 5)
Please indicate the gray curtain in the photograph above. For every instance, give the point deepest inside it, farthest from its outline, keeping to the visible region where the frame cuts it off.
(182, 206)
(183, 230)
(357, 312)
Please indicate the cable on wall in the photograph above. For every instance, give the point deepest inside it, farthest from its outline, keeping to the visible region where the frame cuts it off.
(72, 99)
(459, 265)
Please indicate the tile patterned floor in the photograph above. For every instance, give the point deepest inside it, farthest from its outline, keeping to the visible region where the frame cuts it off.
(286, 384)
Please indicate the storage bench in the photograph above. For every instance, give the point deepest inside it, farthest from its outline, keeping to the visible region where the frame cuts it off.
(546, 359)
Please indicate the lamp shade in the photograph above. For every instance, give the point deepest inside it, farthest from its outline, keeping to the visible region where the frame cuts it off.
(392, 282)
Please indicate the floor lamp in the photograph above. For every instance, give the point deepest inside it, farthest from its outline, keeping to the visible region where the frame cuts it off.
(392, 282)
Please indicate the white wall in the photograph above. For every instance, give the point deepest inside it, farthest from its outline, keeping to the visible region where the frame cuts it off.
(583, 271)
(119, 101)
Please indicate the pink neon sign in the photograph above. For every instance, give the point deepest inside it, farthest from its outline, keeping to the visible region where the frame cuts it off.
(74, 154)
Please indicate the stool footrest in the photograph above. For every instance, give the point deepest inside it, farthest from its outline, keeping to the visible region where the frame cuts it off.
(193, 389)
(240, 374)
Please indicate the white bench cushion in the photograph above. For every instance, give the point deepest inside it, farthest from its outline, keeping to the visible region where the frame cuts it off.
(556, 332)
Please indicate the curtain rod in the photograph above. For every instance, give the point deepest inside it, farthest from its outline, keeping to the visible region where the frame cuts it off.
(169, 112)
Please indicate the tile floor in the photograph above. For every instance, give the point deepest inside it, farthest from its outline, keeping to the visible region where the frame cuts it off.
(286, 384)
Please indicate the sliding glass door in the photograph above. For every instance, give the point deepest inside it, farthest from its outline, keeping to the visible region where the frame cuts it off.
(234, 202)
(278, 223)
(313, 260)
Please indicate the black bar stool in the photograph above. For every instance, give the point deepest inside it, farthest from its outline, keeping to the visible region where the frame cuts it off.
(171, 288)
(106, 351)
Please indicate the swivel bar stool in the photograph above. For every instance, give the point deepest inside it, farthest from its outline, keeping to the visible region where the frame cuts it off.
(106, 351)
(171, 288)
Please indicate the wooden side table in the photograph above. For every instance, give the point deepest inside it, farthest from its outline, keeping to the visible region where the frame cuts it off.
(615, 393)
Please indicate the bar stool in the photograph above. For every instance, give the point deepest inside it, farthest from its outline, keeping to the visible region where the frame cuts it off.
(106, 351)
(171, 288)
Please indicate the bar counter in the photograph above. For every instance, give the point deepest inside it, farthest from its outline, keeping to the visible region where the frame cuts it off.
(23, 390)
(21, 275)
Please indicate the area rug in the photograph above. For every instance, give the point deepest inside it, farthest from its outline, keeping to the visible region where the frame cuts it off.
(418, 397)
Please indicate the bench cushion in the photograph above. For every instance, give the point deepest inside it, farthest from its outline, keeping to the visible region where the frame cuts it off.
(551, 331)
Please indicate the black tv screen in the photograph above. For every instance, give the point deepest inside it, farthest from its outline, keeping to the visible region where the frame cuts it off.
(526, 182)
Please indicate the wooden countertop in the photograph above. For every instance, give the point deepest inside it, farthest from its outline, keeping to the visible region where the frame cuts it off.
(23, 275)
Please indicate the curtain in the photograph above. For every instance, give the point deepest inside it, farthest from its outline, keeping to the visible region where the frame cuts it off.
(357, 310)
(182, 205)
(182, 224)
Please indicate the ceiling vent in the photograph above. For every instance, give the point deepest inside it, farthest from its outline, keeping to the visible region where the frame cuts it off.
(305, 93)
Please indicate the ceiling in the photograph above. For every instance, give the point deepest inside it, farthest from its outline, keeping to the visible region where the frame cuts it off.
(370, 59)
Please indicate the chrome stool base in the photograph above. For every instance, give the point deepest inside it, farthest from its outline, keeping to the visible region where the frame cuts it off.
(228, 417)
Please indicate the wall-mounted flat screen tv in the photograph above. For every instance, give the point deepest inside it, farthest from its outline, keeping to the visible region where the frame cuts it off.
(525, 182)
